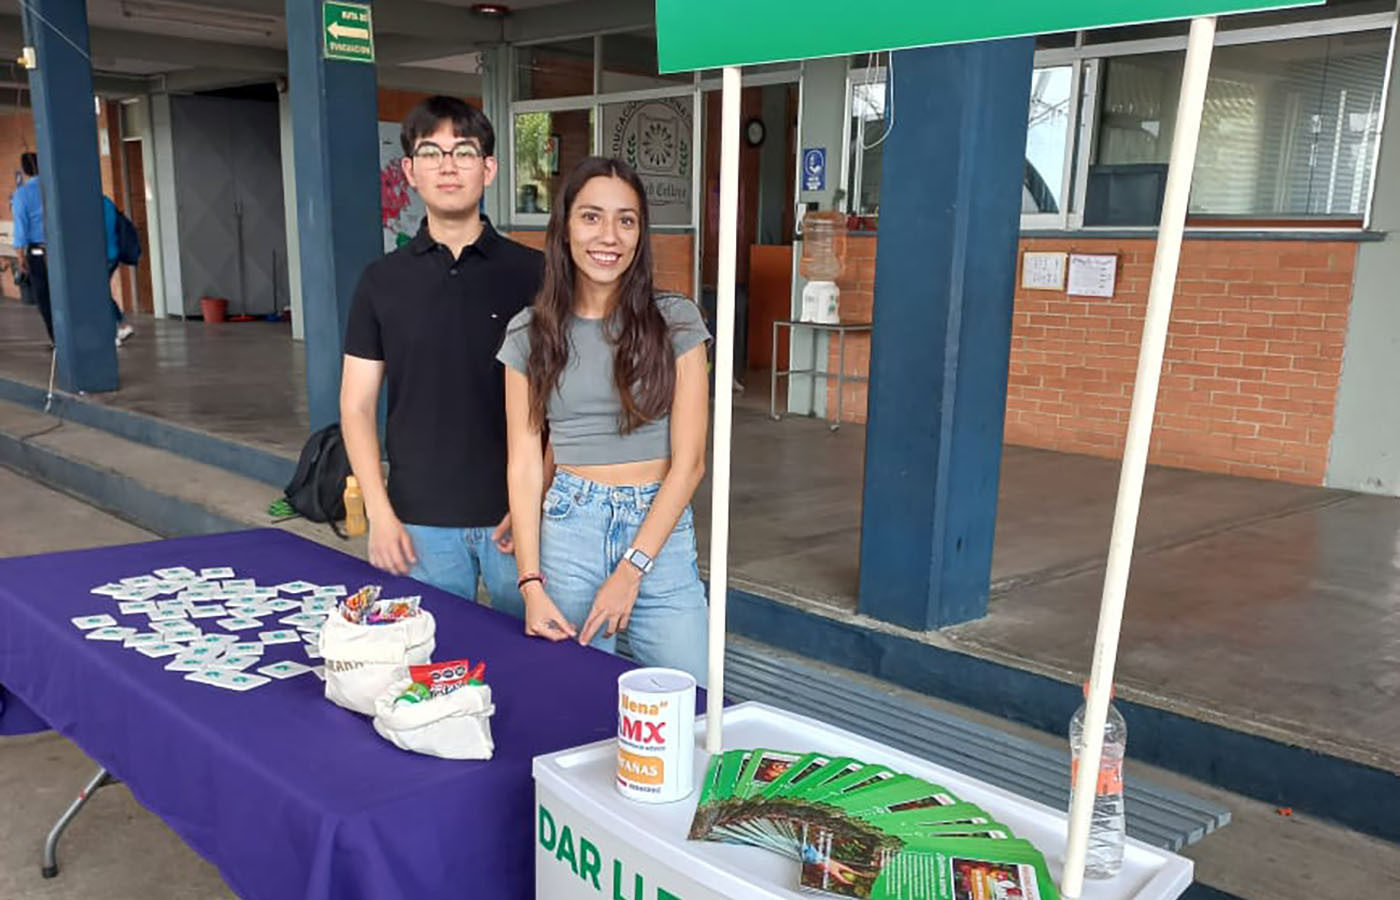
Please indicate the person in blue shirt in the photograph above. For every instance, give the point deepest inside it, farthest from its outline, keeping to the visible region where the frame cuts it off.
(27, 207)
(27, 210)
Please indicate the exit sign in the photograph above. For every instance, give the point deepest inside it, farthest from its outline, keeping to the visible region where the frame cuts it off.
(349, 33)
(694, 35)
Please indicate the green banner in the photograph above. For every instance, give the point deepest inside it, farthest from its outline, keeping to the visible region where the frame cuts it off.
(349, 32)
(691, 34)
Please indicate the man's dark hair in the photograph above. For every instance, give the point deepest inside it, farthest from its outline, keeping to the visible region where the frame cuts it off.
(467, 122)
(29, 163)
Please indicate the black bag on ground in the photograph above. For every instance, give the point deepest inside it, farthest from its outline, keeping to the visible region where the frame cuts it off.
(317, 490)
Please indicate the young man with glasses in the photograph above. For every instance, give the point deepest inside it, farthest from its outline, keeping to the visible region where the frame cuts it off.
(428, 319)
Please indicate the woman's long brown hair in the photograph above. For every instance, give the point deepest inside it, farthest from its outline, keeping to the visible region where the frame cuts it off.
(644, 370)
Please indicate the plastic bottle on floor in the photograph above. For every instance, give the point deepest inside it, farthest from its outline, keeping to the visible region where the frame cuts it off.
(1107, 830)
(355, 522)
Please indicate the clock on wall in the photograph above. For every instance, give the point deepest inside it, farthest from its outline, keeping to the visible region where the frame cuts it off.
(754, 132)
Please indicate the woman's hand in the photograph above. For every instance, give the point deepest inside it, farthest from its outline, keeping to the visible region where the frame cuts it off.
(612, 605)
(542, 617)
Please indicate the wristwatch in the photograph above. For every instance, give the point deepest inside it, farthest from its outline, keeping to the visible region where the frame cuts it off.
(639, 559)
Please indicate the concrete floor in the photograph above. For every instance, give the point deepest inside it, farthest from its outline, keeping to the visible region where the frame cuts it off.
(1269, 607)
(115, 848)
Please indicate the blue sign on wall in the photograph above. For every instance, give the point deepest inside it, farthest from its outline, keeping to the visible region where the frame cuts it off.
(814, 169)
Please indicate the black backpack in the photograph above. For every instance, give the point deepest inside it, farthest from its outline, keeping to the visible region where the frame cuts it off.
(317, 490)
(128, 241)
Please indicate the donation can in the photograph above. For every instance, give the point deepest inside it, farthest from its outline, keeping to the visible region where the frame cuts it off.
(655, 735)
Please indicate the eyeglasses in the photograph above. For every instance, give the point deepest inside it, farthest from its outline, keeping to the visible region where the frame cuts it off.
(464, 155)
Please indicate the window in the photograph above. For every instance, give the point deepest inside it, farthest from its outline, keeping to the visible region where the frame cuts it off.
(546, 71)
(868, 125)
(1290, 128)
(1048, 141)
(628, 63)
(547, 145)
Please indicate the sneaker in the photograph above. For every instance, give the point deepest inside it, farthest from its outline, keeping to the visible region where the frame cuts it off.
(124, 331)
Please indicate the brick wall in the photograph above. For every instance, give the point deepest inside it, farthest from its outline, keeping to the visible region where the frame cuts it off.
(673, 255)
(857, 284)
(1251, 369)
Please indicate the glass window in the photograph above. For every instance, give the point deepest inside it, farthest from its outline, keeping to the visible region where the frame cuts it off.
(867, 142)
(656, 138)
(1048, 141)
(546, 146)
(546, 71)
(629, 64)
(1290, 127)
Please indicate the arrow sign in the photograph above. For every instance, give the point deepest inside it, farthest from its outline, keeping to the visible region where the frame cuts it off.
(349, 33)
(346, 31)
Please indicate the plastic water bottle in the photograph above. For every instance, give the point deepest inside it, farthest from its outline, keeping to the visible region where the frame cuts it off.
(823, 250)
(1107, 830)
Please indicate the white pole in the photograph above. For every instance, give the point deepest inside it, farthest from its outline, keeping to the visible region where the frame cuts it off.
(1149, 371)
(724, 403)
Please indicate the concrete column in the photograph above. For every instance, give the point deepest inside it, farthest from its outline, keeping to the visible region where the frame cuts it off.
(65, 124)
(289, 210)
(950, 200)
(495, 102)
(821, 125)
(336, 149)
(1365, 452)
(170, 301)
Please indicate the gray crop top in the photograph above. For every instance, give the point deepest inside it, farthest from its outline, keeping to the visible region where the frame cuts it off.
(585, 411)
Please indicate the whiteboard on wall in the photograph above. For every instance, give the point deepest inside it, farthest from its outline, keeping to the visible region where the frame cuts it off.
(1043, 271)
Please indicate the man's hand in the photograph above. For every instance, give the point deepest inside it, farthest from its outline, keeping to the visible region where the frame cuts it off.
(502, 538)
(542, 617)
(612, 605)
(390, 547)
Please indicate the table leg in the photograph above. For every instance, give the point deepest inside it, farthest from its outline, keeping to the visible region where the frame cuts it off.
(840, 376)
(50, 869)
(773, 382)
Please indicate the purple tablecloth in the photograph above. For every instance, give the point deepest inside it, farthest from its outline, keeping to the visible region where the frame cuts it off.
(289, 795)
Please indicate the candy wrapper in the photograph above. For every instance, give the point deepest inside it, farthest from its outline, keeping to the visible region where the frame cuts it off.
(439, 679)
(364, 607)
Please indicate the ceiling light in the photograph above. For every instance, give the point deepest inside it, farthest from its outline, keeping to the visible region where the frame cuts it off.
(490, 9)
(235, 21)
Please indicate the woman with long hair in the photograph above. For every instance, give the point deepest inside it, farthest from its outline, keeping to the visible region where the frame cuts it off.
(611, 376)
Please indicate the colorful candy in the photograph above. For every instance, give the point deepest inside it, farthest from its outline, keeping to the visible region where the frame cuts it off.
(364, 607)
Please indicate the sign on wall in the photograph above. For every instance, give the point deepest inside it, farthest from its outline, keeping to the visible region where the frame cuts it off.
(655, 138)
(692, 35)
(1043, 271)
(1092, 275)
(349, 32)
(814, 169)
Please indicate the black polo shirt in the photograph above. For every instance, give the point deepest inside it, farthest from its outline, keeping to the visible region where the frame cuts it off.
(437, 323)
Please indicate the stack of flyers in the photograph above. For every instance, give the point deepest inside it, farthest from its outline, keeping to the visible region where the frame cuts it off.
(865, 831)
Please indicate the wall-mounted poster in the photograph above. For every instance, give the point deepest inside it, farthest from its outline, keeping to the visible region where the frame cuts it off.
(400, 208)
(656, 138)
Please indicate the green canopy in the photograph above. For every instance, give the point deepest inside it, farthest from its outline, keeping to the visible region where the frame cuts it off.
(705, 34)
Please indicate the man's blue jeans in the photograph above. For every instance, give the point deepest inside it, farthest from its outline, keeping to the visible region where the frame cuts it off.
(454, 559)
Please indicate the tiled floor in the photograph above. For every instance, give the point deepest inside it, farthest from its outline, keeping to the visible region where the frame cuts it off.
(1270, 606)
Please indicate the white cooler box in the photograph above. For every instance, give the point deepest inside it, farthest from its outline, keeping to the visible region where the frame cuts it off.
(585, 832)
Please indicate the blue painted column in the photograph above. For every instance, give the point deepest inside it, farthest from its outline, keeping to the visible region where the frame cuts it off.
(335, 145)
(945, 273)
(65, 124)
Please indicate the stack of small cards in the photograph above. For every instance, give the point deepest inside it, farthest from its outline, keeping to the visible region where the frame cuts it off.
(866, 831)
(213, 626)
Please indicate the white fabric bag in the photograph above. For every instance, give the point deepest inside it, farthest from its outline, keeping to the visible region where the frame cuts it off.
(362, 660)
(452, 726)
